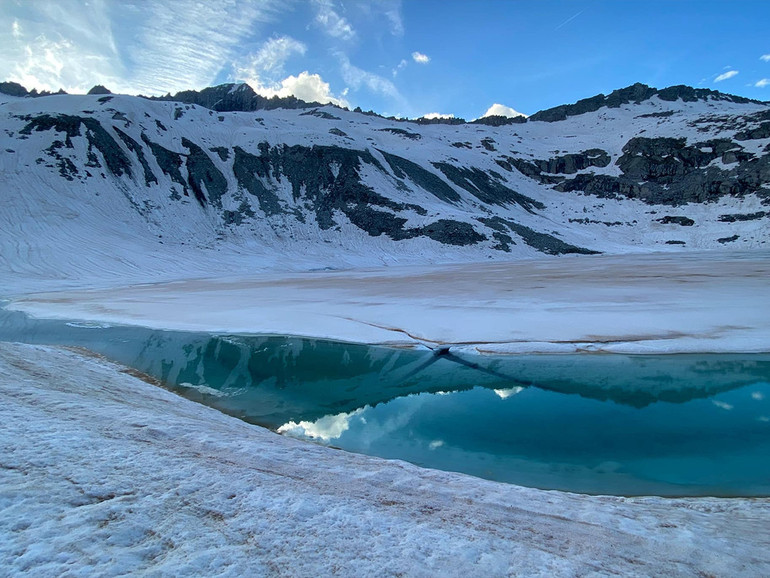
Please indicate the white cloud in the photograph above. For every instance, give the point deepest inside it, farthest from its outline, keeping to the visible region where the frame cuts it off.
(401, 65)
(725, 75)
(327, 428)
(305, 86)
(269, 60)
(357, 78)
(331, 22)
(506, 393)
(765, 57)
(263, 70)
(16, 29)
(420, 58)
(432, 115)
(762, 83)
(502, 110)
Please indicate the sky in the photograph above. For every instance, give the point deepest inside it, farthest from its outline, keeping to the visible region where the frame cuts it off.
(406, 58)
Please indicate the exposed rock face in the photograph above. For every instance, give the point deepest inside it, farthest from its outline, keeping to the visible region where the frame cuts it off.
(13, 89)
(406, 169)
(170, 163)
(487, 187)
(135, 148)
(668, 171)
(117, 161)
(99, 89)
(676, 220)
(235, 97)
(742, 217)
(497, 120)
(567, 164)
(540, 241)
(202, 172)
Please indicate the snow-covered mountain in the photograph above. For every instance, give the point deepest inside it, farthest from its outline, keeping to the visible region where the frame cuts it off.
(104, 181)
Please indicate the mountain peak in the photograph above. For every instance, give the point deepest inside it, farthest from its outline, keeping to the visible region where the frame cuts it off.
(636, 93)
(99, 89)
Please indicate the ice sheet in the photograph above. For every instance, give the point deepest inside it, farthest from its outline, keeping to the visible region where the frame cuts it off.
(653, 303)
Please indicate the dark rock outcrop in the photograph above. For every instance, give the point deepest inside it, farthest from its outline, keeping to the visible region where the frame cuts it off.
(676, 220)
(633, 94)
(541, 241)
(99, 89)
(235, 97)
(135, 148)
(169, 162)
(202, 172)
(737, 217)
(669, 171)
(421, 177)
(488, 188)
(13, 89)
(98, 138)
(497, 120)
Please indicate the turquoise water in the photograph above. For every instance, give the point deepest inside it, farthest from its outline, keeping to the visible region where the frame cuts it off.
(671, 425)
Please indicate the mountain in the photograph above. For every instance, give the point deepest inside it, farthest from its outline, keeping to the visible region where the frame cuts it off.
(131, 182)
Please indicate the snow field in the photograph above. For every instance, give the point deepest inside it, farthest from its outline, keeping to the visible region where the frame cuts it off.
(102, 473)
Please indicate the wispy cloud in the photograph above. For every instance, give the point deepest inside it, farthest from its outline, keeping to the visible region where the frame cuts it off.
(50, 48)
(568, 20)
(434, 115)
(393, 14)
(268, 62)
(765, 57)
(130, 47)
(357, 78)
(401, 65)
(263, 71)
(420, 58)
(726, 75)
(331, 22)
(762, 83)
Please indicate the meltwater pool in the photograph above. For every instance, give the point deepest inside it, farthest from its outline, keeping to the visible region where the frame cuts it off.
(670, 425)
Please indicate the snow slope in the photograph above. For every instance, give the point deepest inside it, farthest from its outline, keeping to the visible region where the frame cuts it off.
(91, 481)
(118, 187)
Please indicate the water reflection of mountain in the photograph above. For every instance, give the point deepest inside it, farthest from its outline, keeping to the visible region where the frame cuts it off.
(271, 380)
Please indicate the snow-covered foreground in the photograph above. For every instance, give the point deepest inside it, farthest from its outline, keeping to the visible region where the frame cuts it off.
(102, 473)
(654, 303)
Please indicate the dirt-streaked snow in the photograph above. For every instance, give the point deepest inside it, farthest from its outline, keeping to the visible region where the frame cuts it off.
(102, 473)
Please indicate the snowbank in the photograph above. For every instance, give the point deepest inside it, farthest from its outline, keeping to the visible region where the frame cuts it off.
(102, 473)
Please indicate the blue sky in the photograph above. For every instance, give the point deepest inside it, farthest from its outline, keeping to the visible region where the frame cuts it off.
(405, 58)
